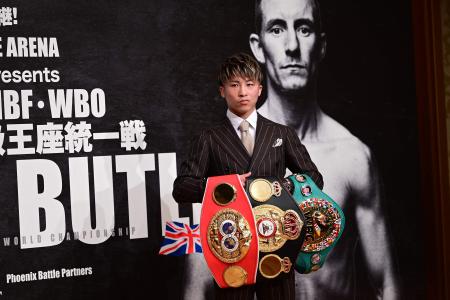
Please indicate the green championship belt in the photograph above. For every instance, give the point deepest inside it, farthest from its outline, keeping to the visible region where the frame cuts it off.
(324, 223)
(279, 225)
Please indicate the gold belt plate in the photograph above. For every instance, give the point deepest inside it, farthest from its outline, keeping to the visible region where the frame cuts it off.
(272, 265)
(262, 190)
(229, 235)
(235, 276)
(275, 226)
(323, 223)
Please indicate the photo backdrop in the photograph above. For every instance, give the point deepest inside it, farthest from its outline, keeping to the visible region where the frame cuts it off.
(100, 99)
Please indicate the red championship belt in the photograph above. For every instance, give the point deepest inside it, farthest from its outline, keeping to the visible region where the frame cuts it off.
(228, 232)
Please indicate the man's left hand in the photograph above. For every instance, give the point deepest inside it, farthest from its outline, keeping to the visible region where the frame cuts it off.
(243, 177)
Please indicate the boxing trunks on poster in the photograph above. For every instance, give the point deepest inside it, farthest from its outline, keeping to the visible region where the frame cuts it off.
(228, 232)
(324, 222)
(279, 223)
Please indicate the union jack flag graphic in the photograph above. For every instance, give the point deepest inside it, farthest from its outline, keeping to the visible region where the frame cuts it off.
(181, 239)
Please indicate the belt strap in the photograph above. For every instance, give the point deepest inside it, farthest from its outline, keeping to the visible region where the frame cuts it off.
(228, 232)
(324, 223)
(279, 223)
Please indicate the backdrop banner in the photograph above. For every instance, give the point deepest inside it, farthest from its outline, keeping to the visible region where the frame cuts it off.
(99, 101)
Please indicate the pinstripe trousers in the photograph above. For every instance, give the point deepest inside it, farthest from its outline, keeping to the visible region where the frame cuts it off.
(280, 288)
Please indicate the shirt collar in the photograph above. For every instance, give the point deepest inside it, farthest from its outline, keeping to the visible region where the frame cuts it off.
(236, 120)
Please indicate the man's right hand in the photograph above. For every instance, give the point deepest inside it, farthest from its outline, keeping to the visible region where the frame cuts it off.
(243, 177)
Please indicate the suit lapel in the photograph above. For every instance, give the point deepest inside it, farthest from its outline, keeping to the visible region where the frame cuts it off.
(263, 139)
(229, 141)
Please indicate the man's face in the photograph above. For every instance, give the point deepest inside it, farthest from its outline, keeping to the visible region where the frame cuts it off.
(289, 42)
(241, 95)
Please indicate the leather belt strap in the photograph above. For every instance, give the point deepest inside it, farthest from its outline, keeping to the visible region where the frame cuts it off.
(324, 223)
(279, 223)
(228, 232)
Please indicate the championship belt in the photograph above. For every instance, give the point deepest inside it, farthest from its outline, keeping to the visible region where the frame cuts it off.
(228, 232)
(279, 224)
(324, 223)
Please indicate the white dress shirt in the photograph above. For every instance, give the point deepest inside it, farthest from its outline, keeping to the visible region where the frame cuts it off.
(236, 121)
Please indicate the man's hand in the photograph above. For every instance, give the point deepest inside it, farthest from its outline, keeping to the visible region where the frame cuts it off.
(243, 177)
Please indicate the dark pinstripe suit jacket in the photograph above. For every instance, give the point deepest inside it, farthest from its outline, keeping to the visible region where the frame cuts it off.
(219, 151)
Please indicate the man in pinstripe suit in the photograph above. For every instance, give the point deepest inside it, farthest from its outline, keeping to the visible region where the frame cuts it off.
(222, 150)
